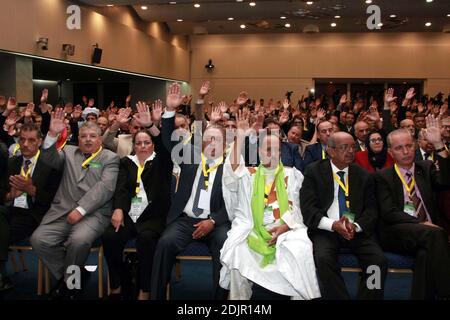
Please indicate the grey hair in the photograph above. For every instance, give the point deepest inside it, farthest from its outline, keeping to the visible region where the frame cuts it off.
(92, 126)
(331, 143)
(395, 133)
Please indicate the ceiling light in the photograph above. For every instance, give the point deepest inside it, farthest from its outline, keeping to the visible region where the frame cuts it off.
(239, 0)
(448, 14)
(172, 2)
(144, 7)
(180, 20)
(337, 17)
(230, 19)
(243, 26)
(197, 5)
(99, 79)
(333, 24)
(110, 5)
(309, 3)
(380, 24)
(429, 1)
(428, 24)
(368, 1)
(282, 17)
(287, 25)
(252, 4)
(68, 79)
(393, 16)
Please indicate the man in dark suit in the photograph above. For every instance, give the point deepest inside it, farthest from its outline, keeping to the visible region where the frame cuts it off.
(198, 210)
(425, 151)
(338, 205)
(349, 122)
(318, 151)
(27, 195)
(410, 221)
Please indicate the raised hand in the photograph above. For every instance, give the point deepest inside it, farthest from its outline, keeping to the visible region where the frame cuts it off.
(11, 104)
(44, 96)
(242, 124)
(286, 103)
(223, 106)
(389, 95)
(57, 122)
(11, 121)
(128, 100)
(143, 117)
(321, 113)
(242, 98)
(123, 115)
(410, 94)
(420, 107)
(29, 110)
(174, 97)
(433, 133)
(343, 99)
(157, 110)
(216, 115)
(204, 89)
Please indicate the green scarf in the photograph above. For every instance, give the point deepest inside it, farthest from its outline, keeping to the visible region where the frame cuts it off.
(258, 241)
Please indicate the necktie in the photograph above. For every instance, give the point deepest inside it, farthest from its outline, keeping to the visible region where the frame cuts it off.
(86, 155)
(426, 156)
(341, 195)
(200, 186)
(26, 166)
(418, 204)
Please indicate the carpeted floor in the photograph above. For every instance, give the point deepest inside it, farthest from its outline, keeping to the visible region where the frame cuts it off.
(195, 283)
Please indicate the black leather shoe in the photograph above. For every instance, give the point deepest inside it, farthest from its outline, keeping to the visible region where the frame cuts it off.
(59, 291)
(5, 283)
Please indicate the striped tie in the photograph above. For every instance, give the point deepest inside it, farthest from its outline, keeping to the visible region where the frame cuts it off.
(417, 201)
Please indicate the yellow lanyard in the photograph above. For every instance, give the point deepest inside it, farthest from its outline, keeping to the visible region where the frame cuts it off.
(413, 181)
(445, 146)
(28, 173)
(63, 145)
(207, 172)
(188, 139)
(363, 147)
(86, 162)
(16, 148)
(138, 179)
(323, 154)
(344, 187)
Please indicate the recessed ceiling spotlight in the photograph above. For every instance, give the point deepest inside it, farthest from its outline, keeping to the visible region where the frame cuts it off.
(333, 25)
(287, 25)
(197, 5)
(393, 16)
(448, 14)
(429, 1)
(144, 7)
(230, 19)
(180, 20)
(428, 24)
(309, 3)
(368, 1)
(239, 0)
(110, 5)
(172, 2)
(243, 26)
(282, 17)
(252, 4)
(380, 24)
(337, 17)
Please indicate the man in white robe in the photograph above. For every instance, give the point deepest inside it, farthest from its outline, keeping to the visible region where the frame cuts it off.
(291, 271)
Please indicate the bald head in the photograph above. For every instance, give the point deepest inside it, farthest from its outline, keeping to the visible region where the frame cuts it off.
(338, 138)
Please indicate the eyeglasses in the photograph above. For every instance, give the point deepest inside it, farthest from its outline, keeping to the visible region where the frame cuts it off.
(145, 143)
(375, 140)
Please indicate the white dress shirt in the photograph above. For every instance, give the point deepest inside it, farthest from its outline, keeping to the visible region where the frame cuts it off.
(326, 223)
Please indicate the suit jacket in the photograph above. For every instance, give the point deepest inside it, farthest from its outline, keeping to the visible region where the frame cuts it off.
(313, 153)
(362, 159)
(46, 180)
(91, 188)
(187, 178)
(156, 179)
(391, 197)
(317, 195)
